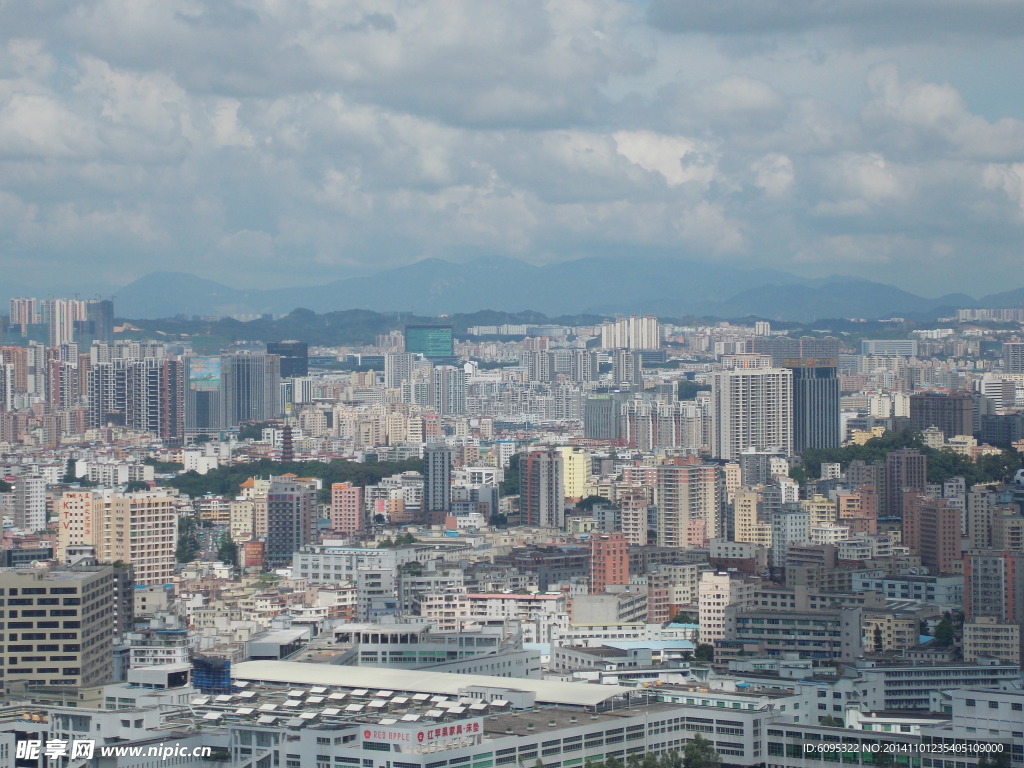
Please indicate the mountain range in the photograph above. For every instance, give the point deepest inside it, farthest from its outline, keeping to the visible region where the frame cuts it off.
(594, 285)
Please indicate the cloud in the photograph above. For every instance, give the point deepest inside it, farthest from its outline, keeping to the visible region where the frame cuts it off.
(265, 142)
(912, 19)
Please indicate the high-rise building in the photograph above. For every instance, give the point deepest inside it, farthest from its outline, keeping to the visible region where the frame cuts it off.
(1013, 351)
(435, 342)
(251, 384)
(782, 348)
(437, 481)
(634, 504)
(61, 317)
(397, 369)
(715, 593)
(750, 523)
(688, 497)
(146, 394)
(99, 320)
(30, 503)
(889, 347)
(648, 425)
(994, 585)
(223, 392)
(601, 416)
(751, 408)
(816, 412)
(953, 413)
(140, 529)
(578, 365)
(291, 517)
(634, 332)
(609, 561)
(542, 488)
(348, 513)
(931, 528)
(24, 312)
(790, 525)
(627, 368)
(905, 470)
(204, 397)
(448, 390)
(294, 356)
(59, 627)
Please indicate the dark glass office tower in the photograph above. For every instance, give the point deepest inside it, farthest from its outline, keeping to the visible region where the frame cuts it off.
(294, 357)
(816, 422)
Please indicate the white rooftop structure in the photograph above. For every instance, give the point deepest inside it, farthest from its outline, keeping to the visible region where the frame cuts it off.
(420, 682)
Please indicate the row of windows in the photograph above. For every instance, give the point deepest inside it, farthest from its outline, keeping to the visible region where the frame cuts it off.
(1014, 705)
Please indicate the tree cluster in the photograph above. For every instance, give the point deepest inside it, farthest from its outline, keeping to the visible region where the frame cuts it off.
(942, 463)
(188, 540)
(510, 484)
(401, 540)
(224, 481)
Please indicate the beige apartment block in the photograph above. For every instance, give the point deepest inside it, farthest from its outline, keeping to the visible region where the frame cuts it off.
(986, 636)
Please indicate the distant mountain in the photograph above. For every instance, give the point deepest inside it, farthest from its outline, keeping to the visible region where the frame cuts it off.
(600, 285)
(835, 297)
(166, 294)
(1006, 300)
(432, 286)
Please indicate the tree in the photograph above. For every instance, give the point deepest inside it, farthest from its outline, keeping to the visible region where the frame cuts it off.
(878, 640)
(700, 754)
(227, 550)
(136, 485)
(188, 542)
(995, 759)
(704, 652)
(688, 389)
(587, 504)
(252, 431)
(164, 467)
(683, 618)
(944, 633)
(510, 483)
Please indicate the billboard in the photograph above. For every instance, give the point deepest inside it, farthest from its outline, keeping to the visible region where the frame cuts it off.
(204, 374)
(413, 738)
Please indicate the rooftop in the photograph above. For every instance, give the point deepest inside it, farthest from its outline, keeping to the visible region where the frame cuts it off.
(416, 681)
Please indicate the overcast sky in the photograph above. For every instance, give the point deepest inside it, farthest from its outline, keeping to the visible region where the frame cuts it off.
(287, 142)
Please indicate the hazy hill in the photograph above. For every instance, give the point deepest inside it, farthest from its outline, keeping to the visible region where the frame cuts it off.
(598, 285)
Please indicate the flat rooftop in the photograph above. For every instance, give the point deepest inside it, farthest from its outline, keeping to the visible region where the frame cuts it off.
(517, 723)
(418, 681)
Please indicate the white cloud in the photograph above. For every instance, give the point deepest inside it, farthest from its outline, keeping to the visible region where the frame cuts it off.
(317, 136)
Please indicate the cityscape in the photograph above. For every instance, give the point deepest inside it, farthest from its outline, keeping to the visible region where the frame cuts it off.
(539, 544)
(519, 384)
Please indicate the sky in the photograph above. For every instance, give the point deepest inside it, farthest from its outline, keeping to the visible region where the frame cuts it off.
(289, 142)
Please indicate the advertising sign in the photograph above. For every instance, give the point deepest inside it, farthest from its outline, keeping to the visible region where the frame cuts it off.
(204, 374)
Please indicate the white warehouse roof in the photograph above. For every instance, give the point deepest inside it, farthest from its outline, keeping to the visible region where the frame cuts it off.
(416, 681)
